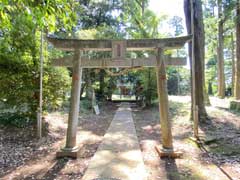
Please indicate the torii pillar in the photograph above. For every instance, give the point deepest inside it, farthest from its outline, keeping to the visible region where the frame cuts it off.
(71, 149)
(166, 129)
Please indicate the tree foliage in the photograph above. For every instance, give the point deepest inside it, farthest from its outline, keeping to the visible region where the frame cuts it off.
(21, 22)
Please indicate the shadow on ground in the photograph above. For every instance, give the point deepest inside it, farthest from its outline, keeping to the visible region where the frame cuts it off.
(52, 173)
(222, 139)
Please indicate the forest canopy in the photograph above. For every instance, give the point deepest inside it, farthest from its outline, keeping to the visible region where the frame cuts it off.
(23, 21)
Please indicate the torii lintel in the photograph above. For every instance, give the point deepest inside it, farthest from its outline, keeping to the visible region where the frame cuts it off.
(131, 44)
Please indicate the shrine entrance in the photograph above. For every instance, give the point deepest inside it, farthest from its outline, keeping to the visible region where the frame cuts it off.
(118, 48)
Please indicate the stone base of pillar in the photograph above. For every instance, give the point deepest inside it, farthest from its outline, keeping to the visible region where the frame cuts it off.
(170, 153)
(68, 152)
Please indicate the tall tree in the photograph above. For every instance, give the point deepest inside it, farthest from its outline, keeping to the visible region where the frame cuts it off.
(233, 62)
(210, 23)
(143, 24)
(198, 51)
(220, 57)
(176, 23)
(237, 79)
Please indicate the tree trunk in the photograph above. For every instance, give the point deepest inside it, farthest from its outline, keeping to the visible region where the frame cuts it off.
(233, 63)
(34, 101)
(206, 96)
(149, 91)
(88, 84)
(198, 54)
(143, 7)
(220, 58)
(178, 82)
(101, 83)
(237, 77)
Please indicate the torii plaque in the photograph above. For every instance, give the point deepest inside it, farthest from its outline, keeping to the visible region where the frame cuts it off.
(119, 49)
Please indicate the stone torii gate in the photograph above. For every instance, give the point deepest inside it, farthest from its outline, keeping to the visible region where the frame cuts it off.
(119, 49)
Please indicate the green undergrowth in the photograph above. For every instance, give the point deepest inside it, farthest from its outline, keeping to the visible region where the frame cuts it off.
(16, 119)
(86, 106)
(179, 112)
(221, 146)
(185, 173)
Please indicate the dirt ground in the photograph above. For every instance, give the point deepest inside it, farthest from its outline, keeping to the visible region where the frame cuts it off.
(217, 157)
(25, 157)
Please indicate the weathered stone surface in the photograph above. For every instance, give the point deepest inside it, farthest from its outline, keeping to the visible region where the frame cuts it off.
(110, 63)
(74, 153)
(235, 105)
(166, 130)
(168, 153)
(131, 44)
(118, 49)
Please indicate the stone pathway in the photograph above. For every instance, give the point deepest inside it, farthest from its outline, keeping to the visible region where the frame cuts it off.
(119, 156)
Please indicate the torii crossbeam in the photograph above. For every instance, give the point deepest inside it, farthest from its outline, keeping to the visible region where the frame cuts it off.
(119, 49)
